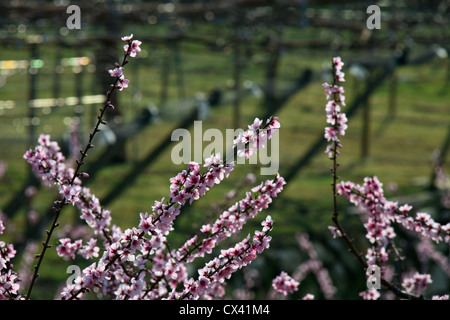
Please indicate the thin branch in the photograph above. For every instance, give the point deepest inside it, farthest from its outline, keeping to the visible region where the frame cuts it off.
(84, 153)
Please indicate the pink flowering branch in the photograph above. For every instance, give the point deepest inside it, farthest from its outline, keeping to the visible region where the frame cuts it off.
(9, 285)
(381, 212)
(132, 250)
(416, 283)
(285, 284)
(232, 219)
(166, 266)
(213, 274)
(71, 187)
(338, 122)
(378, 226)
(189, 185)
(370, 198)
(229, 222)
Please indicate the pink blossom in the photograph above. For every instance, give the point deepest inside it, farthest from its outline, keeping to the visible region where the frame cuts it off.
(133, 48)
(146, 223)
(267, 224)
(370, 294)
(122, 83)
(232, 220)
(338, 64)
(416, 283)
(203, 283)
(285, 284)
(273, 123)
(215, 159)
(71, 193)
(47, 161)
(330, 134)
(328, 90)
(9, 285)
(256, 124)
(67, 249)
(405, 208)
(331, 108)
(127, 38)
(90, 250)
(117, 72)
(340, 76)
(248, 142)
(335, 232)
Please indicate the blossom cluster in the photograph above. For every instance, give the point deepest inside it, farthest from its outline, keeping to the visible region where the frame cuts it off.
(416, 283)
(257, 135)
(213, 275)
(335, 117)
(138, 258)
(382, 212)
(380, 216)
(47, 161)
(131, 49)
(50, 165)
(9, 282)
(232, 220)
(67, 249)
(285, 284)
(133, 46)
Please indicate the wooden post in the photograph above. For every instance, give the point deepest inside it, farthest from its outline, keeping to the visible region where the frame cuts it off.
(165, 73)
(365, 137)
(393, 95)
(32, 94)
(79, 93)
(365, 141)
(271, 72)
(57, 73)
(443, 150)
(237, 82)
(179, 70)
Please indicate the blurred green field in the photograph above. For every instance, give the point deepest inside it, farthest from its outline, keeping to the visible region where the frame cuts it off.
(400, 154)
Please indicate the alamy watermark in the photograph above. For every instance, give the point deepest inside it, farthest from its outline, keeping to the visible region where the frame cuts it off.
(374, 20)
(74, 20)
(267, 155)
(373, 277)
(76, 273)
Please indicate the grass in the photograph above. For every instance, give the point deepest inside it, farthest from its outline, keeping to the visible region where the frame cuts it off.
(400, 147)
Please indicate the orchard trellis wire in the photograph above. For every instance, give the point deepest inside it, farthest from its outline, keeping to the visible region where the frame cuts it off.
(245, 31)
